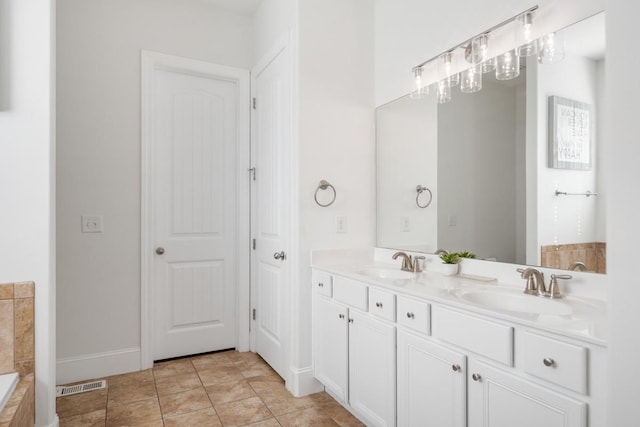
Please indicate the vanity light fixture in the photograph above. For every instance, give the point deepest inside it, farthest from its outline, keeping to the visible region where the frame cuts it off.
(418, 90)
(449, 68)
(551, 48)
(526, 45)
(508, 66)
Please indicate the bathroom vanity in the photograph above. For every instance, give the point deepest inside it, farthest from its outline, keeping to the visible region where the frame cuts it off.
(416, 349)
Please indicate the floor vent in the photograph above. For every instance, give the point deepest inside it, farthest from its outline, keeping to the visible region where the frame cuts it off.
(80, 388)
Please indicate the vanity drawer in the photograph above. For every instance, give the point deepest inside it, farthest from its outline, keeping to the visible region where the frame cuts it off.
(483, 337)
(555, 361)
(382, 304)
(350, 292)
(322, 283)
(414, 314)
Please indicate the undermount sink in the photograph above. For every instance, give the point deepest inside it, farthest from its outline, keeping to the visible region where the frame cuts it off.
(521, 303)
(386, 273)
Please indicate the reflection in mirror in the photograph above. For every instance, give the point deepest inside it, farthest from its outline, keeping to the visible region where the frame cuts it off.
(486, 157)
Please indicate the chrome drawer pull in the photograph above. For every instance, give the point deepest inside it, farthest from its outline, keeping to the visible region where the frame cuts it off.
(379, 304)
(548, 361)
(476, 377)
(411, 315)
(320, 285)
(456, 368)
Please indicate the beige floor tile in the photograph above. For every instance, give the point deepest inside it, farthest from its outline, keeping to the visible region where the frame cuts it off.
(183, 402)
(221, 374)
(154, 423)
(81, 403)
(172, 367)
(213, 360)
(203, 417)
(256, 369)
(177, 383)
(307, 417)
(144, 411)
(271, 422)
(131, 392)
(243, 412)
(229, 392)
(340, 415)
(131, 377)
(90, 419)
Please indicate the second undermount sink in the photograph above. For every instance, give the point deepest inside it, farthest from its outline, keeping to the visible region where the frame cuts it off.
(386, 273)
(522, 303)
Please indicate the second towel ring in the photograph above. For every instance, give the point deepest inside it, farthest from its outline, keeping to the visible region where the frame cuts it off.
(420, 189)
(323, 186)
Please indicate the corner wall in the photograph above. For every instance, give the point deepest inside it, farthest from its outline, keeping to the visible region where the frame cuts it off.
(27, 177)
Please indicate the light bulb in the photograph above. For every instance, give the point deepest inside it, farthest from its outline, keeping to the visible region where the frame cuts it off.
(507, 66)
(551, 48)
(471, 80)
(418, 91)
(480, 53)
(444, 91)
(445, 70)
(526, 45)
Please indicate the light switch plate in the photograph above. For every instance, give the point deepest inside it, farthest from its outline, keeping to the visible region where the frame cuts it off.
(405, 224)
(92, 223)
(341, 224)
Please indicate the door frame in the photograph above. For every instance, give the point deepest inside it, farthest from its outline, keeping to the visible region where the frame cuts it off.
(290, 343)
(150, 63)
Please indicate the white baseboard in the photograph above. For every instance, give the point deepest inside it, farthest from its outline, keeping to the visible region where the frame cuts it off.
(302, 383)
(90, 366)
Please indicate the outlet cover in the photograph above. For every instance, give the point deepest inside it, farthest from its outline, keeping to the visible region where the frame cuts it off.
(91, 223)
(341, 224)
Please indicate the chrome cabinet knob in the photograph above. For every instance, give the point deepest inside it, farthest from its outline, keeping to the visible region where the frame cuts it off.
(411, 315)
(350, 320)
(279, 255)
(341, 316)
(548, 361)
(160, 250)
(320, 285)
(379, 304)
(456, 368)
(476, 377)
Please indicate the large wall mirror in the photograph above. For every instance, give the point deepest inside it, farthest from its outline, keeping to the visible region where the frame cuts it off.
(478, 173)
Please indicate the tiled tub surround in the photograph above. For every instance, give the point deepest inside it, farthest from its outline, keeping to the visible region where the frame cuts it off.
(592, 254)
(218, 389)
(17, 351)
(449, 325)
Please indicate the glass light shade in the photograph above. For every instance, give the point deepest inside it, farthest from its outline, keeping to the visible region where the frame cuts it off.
(471, 80)
(507, 66)
(480, 55)
(418, 89)
(527, 46)
(445, 71)
(551, 48)
(444, 92)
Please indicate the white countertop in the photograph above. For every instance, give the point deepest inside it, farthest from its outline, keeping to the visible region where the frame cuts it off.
(587, 321)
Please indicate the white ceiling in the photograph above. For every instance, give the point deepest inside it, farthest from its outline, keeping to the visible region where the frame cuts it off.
(242, 7)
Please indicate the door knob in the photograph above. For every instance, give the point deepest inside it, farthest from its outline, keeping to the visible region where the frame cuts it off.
(279, 255)
(160, 250)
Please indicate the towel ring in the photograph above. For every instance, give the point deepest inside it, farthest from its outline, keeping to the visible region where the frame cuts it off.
(420, 189)
(323, 186)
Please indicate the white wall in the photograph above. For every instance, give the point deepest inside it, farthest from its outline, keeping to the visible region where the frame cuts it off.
(271, 22)
(27, 172)
(99, 156)
(407, 140)
(409, 32)
(565, 219)
(622, 153)
(336, 138)
(477, 171)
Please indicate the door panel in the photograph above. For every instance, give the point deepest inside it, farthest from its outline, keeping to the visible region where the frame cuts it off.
(194, 138)
(270, 211)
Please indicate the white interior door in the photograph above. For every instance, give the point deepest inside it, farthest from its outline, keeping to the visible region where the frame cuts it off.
(270, 210)
(193, 137)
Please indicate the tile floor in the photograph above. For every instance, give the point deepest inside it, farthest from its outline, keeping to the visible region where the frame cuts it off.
(218, 389)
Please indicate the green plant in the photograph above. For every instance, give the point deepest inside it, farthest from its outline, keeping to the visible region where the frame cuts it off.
(451, 258)
(466, 254)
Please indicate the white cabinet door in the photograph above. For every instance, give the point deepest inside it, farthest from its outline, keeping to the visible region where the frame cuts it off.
(372, 369)
(330, 345)
(431, 384)
(497, 399)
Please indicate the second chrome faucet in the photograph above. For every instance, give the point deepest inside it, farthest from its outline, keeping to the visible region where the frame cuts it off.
(535, 283)
(408, 262)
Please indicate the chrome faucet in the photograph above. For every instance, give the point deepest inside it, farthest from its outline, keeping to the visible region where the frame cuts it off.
(441, 251)
(535, 281)
(578, 266)
(554, 290)
(407, 261)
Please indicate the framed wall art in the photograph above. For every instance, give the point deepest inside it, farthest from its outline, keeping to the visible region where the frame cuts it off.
(570, 134)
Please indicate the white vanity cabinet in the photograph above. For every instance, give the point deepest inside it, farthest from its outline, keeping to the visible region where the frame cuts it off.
(431, 383)
(398, 359)
(354, 352)
(498, 399)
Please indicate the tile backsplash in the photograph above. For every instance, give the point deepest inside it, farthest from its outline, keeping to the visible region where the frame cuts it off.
(592, 254)
(17, 328)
